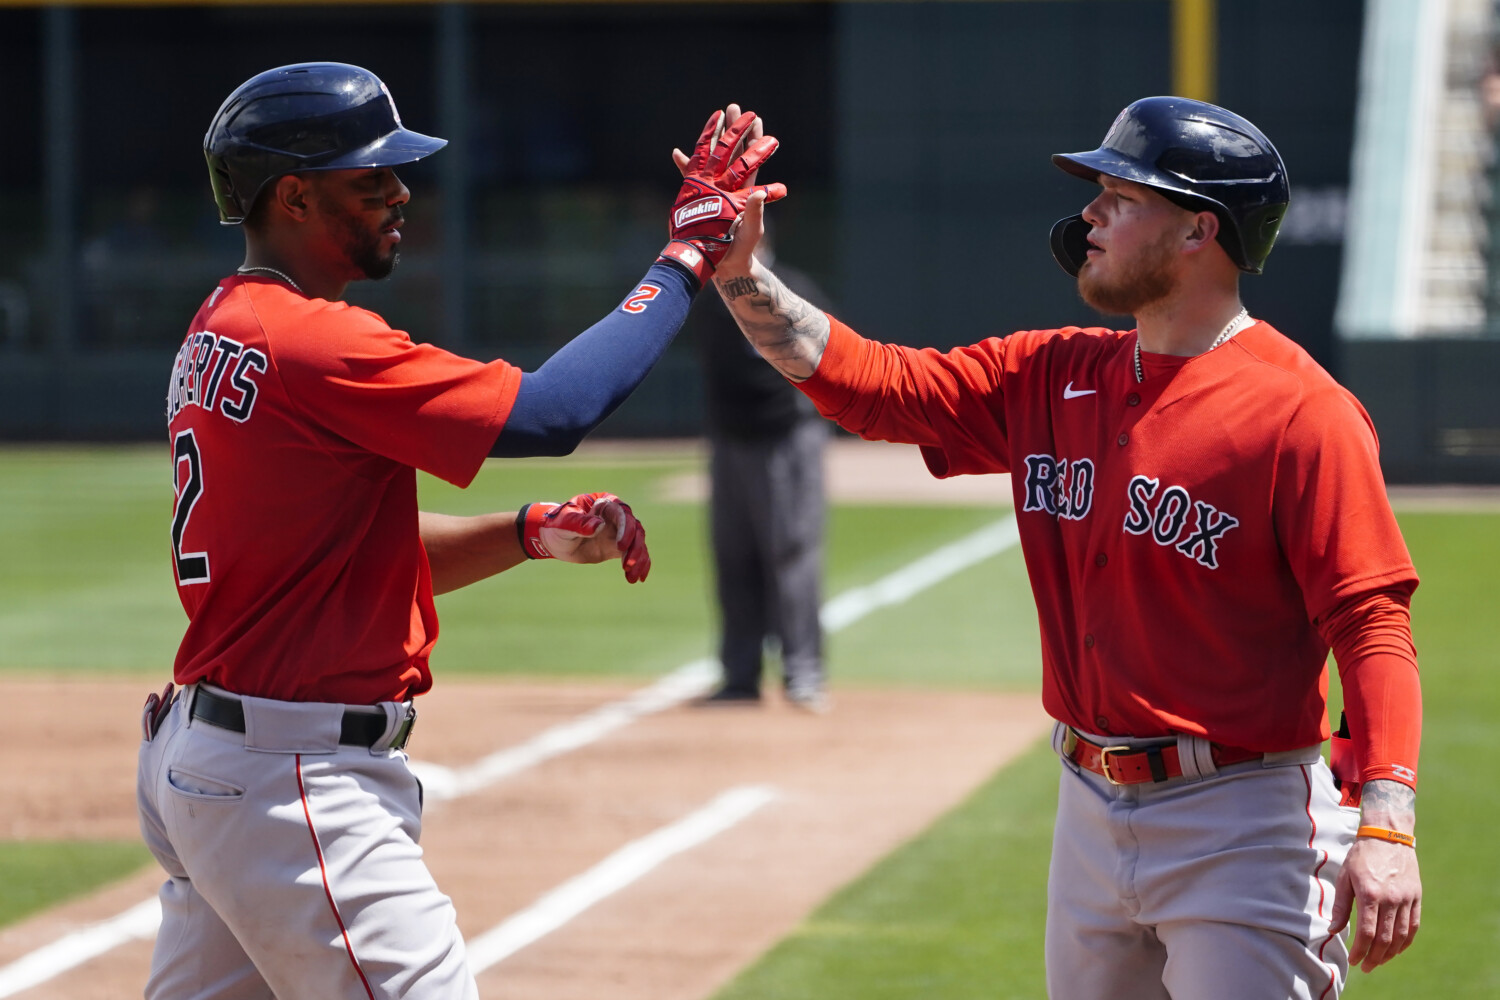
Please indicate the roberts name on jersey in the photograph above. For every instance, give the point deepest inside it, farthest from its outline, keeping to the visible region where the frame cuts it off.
(199, 376)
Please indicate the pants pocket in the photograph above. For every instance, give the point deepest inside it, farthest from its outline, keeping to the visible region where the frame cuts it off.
(193, 785)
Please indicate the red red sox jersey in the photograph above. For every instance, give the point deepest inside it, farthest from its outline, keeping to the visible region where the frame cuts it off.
(296, 426)
(1184, 536)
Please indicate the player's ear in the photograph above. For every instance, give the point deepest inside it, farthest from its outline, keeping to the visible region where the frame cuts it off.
(292, 194)
(1205, 231)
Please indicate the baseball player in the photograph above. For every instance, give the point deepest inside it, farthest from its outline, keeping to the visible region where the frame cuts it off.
(1203, 517)
(273, 789)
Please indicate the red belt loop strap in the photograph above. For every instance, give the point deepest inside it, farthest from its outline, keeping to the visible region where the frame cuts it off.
(1126, 765)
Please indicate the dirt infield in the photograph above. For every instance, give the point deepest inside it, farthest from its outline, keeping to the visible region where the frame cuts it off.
(849, 787)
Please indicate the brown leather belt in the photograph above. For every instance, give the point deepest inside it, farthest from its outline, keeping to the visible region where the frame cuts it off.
(1123, 765)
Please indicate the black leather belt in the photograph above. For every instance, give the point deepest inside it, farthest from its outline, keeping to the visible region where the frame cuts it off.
(358, 728)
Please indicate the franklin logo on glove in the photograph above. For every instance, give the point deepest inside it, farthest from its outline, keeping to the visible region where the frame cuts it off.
(697, 210)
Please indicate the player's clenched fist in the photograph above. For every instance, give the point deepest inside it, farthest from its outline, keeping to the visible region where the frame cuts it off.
(717, 180)
(589, 528)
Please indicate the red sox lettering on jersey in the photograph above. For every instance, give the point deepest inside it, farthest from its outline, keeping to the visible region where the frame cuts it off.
(1059, 486)
(1167, 520)
(1064, 488)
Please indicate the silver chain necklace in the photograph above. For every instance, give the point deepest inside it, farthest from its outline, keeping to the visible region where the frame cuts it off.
(1234, 326)
(289, 281)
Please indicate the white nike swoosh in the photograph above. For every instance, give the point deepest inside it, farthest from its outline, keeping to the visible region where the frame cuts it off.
(1071, 393)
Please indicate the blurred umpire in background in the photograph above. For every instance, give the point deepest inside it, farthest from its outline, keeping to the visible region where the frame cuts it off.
(1203, 517)
(767, 507)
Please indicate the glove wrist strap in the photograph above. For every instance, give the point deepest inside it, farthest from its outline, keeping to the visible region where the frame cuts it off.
(529, 522)
(689, 258)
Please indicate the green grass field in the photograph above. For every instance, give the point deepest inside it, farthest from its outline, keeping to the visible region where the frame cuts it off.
(956, 913)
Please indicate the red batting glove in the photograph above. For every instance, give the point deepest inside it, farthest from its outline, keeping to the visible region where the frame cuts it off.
(716, 184)
(545, 527)
(630, 536)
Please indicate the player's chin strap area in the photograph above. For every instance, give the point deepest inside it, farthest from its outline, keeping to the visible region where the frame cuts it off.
(1070, 243)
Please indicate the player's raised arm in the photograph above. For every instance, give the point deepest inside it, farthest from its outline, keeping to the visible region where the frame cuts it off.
(567, 397)
(785, 328)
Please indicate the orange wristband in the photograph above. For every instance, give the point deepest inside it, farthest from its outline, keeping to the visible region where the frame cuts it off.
(1381, 833)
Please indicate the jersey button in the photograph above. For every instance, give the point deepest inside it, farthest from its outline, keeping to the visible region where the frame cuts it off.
(1102, 722)
(1134, 399)
(1101, 559)
(1088, 641)
(1122, 440)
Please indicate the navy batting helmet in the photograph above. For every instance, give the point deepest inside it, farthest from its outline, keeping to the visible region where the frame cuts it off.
(1201, 157)
(309, 116)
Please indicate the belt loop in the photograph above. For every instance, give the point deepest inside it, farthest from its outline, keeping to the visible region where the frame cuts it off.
(189, 698)
(1064, 741)
(1196, 756)
(1158, 766)
(400, 718)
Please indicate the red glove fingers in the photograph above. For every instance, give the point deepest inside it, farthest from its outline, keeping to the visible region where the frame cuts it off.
(634, 557)
(575, 521)
(630, 535)
(705, 144)
(570, 516)
(741, 171)
(774, 192)
(726, 147)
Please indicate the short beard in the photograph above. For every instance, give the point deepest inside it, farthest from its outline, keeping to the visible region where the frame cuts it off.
(1145, 280)
(360, 246)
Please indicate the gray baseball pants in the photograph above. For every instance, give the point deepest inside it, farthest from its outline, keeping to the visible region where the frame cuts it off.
(292, 862)
(1217, 884)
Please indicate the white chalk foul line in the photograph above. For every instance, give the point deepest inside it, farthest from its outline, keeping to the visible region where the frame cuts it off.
(687, 681)
(915, 577)
(614, 873)
(139, 923)
(695, 678)
(441, 783)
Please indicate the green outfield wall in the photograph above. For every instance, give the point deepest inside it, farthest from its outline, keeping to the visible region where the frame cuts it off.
(915, 142)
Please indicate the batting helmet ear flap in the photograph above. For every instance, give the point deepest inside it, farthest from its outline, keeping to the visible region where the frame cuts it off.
(1070, 243)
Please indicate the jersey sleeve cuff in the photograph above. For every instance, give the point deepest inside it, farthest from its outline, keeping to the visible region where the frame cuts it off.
(1390, 772)
(828, 386)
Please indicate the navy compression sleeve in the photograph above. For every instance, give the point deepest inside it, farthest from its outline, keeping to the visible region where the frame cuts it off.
(571, 394)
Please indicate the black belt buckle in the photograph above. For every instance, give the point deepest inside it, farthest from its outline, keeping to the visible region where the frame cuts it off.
(403, 730)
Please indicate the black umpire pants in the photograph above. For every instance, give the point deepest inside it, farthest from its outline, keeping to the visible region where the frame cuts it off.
(767, 512)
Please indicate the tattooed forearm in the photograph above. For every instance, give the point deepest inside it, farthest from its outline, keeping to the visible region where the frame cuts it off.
(1383, 803)
(787, 331)
(733, 288)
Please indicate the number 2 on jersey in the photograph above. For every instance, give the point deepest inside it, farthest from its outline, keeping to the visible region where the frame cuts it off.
(192, 567)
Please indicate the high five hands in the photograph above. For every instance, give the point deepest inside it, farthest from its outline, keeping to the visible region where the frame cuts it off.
(718, 183)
